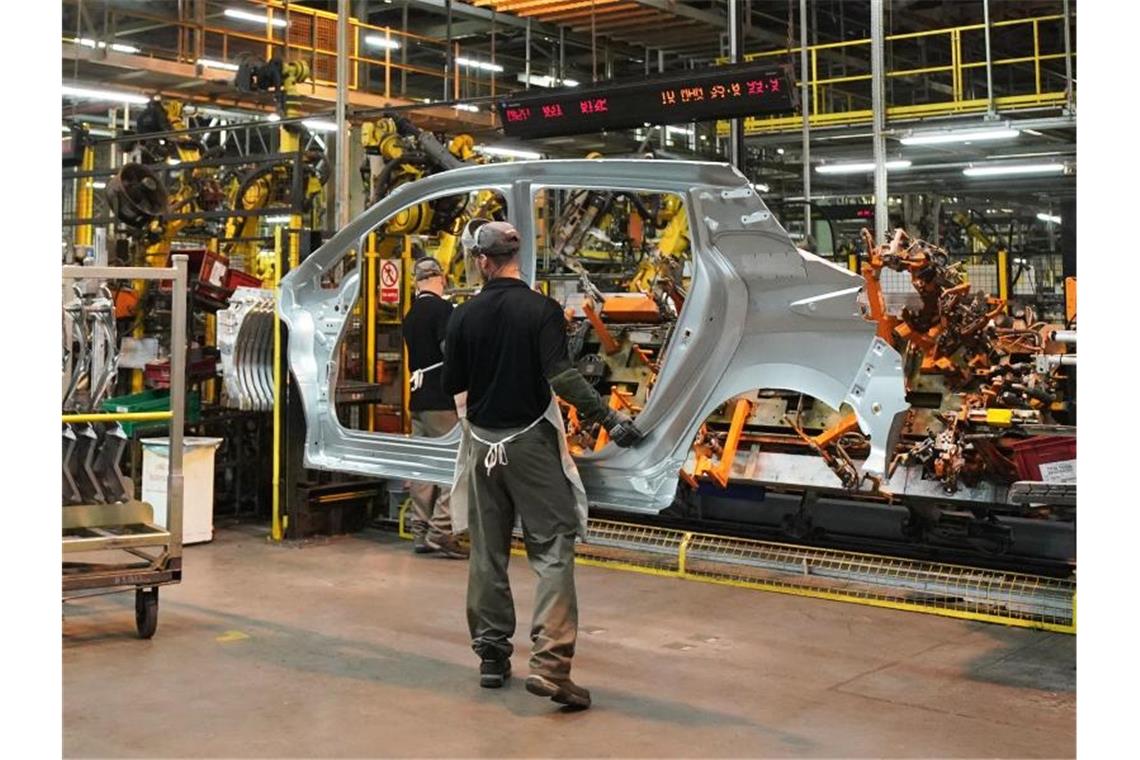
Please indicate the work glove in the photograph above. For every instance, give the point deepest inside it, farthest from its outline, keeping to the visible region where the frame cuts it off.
(621, 428)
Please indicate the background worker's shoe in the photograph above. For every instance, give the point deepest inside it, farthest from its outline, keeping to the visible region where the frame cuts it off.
(563, 691)
(494, 673)
(420, 544)
(449, 546)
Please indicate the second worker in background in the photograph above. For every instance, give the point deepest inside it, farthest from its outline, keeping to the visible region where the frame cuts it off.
(433, 411)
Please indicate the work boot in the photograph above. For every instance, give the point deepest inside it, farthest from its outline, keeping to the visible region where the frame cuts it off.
(563, 691)
(449, 546)
(420, 544)
(494, 673)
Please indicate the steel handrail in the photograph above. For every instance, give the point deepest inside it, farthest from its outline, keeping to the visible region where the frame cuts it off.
(958, 102)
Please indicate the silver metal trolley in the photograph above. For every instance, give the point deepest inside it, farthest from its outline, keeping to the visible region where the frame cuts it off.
(112, 531)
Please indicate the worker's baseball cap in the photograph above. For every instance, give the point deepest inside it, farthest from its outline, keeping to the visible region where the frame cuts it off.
(484, 237)
(426, 267)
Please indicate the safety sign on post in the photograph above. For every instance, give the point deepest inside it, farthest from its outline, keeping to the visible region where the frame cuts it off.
(390, 281)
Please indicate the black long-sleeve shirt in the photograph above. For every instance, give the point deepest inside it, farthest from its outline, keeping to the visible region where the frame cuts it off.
(502, 346)
(424, 328)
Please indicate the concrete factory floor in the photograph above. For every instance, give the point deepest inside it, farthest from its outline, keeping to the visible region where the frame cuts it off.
(355, 647)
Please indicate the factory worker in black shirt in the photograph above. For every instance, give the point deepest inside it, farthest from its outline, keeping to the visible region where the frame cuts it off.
(506, 349)
(433, 411)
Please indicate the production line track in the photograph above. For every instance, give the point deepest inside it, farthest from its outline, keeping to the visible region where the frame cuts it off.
(1050, 567)
(954, 590)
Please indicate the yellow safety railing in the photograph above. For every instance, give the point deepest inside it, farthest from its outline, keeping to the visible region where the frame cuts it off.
(310, 35)
(118, 417)
(833, 103)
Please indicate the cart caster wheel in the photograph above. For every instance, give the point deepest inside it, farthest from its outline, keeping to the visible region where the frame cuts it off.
(146, 612)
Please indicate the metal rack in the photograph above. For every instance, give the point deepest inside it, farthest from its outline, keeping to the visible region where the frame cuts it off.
(128, 527)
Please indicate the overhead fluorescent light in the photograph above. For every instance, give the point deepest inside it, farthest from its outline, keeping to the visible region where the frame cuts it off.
(542, 80)
(1049, 218)
(960, 136)
(118, 47)
(260, 18)
(687, 131)
(276, 219)
(779, 151)
(492, 150)
(375, 40)
(860, 167)
(89, 93)
(484, 65)
(466, 107)
(210, 63)
(761, 187)
(1001, 171)
(98, 185)
(320, 125)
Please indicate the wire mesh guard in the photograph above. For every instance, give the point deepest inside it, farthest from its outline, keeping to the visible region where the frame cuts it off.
(953, 590)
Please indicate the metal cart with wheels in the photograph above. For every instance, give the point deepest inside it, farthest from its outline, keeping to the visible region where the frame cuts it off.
(112, 548)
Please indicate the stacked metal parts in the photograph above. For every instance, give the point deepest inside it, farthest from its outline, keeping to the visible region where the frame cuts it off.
(245, 341)
(91, 453)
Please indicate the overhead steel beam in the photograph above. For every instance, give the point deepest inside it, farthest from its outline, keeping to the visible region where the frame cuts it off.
(506, 19)
(716, 20)
(638, 18)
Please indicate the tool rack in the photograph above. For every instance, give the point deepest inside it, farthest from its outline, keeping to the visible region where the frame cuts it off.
(127, 528)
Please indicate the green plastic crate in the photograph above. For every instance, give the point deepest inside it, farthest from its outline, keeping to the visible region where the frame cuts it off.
(157, 400)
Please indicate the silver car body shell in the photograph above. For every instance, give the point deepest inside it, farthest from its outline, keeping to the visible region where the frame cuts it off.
(760, 314)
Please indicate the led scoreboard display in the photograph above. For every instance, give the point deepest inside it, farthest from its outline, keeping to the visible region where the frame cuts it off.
(722, 92)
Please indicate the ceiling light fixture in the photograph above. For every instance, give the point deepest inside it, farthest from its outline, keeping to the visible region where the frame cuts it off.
(960, 136)
(89, 93)
(860, 167)
(492, 150)
(1049, 218)
(272, 117)
(276, 219)
(257, 17)
(320, 125)
(116, 46)
(375, 40)
(1001, 171)
(466, 107)
(542, 80)
(484, 65)
(210, 63)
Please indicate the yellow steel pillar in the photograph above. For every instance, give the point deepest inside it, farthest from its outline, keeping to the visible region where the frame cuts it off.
(402, 310)
(277, 531)
(1003, 276)
(370, 263)
(85, 198)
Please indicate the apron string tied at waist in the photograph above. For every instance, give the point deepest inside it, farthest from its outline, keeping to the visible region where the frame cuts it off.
(497, 450)
(417, 379)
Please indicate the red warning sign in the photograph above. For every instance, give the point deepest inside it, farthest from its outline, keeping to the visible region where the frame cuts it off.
(389, 281)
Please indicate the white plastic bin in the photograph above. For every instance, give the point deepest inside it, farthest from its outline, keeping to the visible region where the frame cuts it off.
(197, 483)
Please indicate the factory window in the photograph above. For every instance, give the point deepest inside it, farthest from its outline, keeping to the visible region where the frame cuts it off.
(375, 374)
(618, 262)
